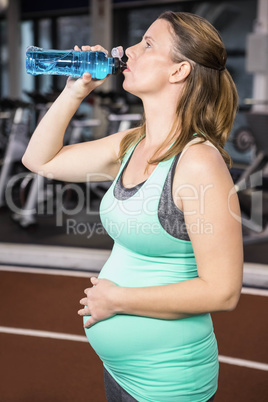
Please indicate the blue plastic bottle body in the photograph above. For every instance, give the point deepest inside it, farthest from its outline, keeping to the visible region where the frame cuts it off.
(70, 63)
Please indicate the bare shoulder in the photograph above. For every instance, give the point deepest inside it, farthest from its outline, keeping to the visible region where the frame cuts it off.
(203, 179)
(201, 163)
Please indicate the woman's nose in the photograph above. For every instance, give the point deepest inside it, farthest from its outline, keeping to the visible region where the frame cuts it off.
(129, 52)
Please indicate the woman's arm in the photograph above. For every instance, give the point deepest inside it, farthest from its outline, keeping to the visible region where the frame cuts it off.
(204, 188)
(45, 153)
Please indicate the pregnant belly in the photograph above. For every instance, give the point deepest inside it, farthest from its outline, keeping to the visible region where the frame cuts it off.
(123, 337)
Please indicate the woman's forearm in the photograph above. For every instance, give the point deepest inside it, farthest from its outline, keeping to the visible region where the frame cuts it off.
(173, 301)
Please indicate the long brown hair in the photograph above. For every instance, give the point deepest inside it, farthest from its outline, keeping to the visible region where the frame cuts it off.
(209, 100)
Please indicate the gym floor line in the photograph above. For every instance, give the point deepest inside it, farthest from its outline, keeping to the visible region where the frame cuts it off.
(78, 338)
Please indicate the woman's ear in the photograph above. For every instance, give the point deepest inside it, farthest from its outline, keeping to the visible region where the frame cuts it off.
(179, 72)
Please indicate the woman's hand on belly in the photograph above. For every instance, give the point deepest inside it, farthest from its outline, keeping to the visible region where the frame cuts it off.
(98, 301)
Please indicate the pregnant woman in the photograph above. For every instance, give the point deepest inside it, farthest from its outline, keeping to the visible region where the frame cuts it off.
(171, 210)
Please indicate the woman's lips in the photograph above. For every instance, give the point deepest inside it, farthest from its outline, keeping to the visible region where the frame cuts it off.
(127, 69)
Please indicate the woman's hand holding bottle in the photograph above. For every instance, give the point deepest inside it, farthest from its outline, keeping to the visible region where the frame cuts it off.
(82, 87)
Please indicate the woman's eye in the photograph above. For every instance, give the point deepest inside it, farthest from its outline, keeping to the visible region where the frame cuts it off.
(148, 44)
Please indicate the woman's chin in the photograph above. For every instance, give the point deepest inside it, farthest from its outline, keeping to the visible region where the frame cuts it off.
(128, 88)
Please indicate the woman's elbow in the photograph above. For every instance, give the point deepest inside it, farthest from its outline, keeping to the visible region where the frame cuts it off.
(24, 161)
(230, 300)
(28, 162)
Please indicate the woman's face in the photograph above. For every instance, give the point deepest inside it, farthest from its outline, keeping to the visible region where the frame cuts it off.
(149, 62)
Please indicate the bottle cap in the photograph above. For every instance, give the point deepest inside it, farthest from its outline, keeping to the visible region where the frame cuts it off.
(118, 52)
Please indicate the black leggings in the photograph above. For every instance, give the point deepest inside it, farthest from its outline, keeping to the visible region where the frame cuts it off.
(115, 393)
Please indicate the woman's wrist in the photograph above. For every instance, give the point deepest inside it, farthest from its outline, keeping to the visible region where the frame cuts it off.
(73, 96)
(118, 298)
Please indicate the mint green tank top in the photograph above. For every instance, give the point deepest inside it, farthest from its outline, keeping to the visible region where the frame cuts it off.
(154, 360)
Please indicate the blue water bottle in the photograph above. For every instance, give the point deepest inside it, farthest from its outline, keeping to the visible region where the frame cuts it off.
(73, 63)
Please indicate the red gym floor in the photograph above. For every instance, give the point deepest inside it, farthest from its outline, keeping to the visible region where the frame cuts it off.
(40, 362)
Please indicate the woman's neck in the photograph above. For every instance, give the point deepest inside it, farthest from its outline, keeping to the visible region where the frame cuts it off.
(160, 114)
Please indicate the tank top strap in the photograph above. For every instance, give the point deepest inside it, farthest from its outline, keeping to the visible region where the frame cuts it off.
(163, 169)
(126, 158)
(154, 185)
